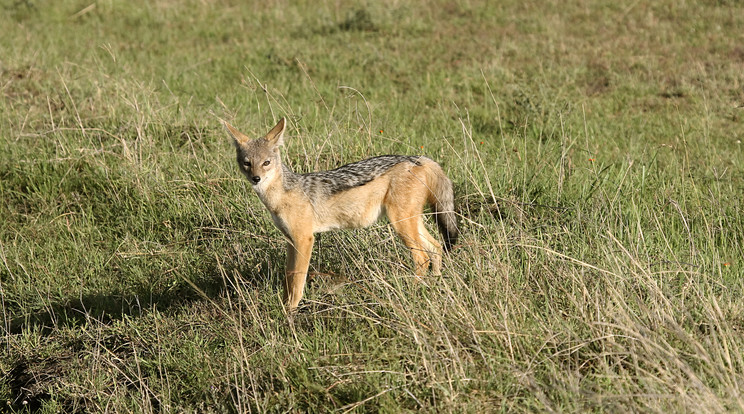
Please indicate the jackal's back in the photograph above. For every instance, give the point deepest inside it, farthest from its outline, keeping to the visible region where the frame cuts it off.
(356, 174)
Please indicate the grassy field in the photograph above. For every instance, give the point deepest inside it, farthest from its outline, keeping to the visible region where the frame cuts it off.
(596, 151)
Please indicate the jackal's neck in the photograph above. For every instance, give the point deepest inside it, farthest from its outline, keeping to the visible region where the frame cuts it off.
(272, 193)
(287, 177)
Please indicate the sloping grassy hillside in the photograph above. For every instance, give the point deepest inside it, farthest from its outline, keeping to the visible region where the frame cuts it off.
(596, 151)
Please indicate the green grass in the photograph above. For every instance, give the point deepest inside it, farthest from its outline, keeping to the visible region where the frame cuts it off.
(595, 149)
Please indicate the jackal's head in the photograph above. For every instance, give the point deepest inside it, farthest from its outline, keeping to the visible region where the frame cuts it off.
(259, 158)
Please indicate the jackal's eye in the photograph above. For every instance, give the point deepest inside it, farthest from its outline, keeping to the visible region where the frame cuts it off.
(247, 164)
(266, 163)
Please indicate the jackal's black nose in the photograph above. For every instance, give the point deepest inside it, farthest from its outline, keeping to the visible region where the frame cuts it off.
(255, 179)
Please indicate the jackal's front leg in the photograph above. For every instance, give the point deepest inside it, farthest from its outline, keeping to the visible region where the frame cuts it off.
(299, 250)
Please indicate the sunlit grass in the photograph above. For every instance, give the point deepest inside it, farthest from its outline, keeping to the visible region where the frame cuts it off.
(596, 154)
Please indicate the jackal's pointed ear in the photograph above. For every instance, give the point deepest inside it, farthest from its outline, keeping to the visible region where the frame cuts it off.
(275, 137)
(235, 134)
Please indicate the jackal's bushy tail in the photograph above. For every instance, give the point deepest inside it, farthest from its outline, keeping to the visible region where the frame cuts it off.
(442, 199)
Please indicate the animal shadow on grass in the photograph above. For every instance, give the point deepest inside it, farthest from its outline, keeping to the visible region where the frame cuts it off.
(31, 376)
(209, 282)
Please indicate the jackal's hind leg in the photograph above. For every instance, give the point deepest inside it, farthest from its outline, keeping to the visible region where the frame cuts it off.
(433, 247)
(408, 230)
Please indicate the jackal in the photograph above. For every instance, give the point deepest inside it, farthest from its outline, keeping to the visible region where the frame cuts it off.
(354, 195)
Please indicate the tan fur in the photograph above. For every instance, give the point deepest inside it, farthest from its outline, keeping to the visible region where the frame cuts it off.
(401, 193)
